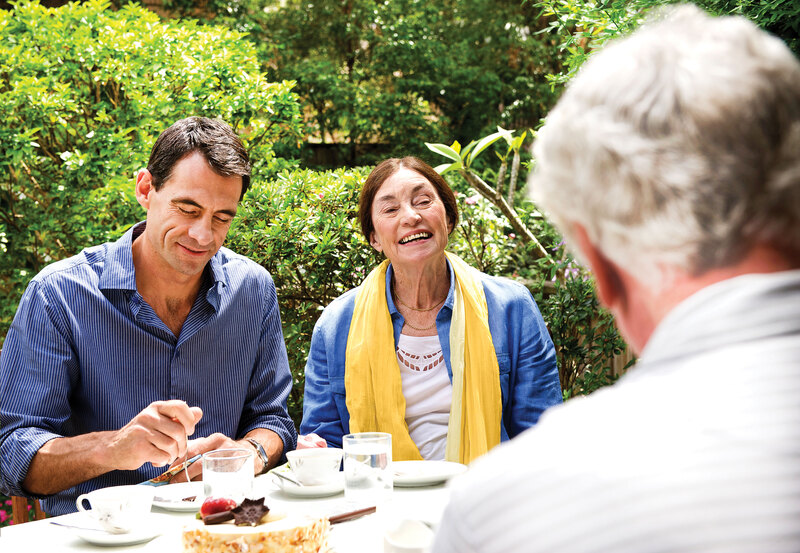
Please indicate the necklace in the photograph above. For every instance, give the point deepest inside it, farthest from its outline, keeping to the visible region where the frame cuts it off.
(419, 328)
(404, 304)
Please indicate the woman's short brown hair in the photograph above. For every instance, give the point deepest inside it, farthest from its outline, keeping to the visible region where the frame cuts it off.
(389, 167)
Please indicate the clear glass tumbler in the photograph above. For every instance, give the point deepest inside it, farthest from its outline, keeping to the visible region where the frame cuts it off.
(368, 474)
(228, 473)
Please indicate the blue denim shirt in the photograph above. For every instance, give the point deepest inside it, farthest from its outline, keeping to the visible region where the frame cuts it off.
(525, 353)
(86, 353)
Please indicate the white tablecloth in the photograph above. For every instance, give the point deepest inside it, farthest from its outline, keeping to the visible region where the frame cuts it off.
(364, 535)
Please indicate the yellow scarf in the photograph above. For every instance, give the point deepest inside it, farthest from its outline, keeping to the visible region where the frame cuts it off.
(372, 381)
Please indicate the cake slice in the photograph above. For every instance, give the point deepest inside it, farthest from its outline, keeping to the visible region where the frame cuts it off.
(287, 535)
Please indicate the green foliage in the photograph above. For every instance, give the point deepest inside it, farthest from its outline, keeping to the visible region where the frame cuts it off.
(400, 72)
(581, 27)
(84, 91)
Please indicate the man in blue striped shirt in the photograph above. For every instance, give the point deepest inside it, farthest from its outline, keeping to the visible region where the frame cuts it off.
(118, 355)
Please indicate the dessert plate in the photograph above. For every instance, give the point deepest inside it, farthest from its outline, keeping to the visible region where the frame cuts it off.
(171, 497)
(323, 490)
(410, 474)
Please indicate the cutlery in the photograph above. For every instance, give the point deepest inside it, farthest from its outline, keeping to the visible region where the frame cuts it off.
(111, 528)
(165, 476)
(351, 515)
(288, 478)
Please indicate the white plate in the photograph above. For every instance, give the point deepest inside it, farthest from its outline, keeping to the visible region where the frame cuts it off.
(139, 535)
(170, 497)
(323, 490)
(409, 474)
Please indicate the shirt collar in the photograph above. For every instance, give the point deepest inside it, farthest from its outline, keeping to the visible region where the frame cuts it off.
(120, 274)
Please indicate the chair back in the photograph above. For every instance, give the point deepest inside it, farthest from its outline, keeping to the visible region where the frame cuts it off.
(20, 507)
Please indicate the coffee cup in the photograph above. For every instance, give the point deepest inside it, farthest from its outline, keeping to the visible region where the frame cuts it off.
(316, 466)
(118, 509)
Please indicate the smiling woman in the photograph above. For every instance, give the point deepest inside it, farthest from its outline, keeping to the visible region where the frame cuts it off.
(392, 355)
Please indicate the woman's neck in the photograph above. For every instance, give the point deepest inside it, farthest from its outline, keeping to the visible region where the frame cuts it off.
(422, 287)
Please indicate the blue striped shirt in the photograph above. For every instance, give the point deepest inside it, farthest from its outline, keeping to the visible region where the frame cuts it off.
(86, 353)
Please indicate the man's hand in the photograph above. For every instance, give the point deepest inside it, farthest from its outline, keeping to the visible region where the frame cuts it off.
(158, 435)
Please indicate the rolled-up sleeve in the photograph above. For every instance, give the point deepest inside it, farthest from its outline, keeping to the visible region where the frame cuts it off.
(37, 372)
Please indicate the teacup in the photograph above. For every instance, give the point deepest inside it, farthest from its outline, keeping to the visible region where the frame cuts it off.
(119, 509)
(315, 466)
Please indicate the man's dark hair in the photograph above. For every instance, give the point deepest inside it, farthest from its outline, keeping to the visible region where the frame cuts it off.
(213, 138)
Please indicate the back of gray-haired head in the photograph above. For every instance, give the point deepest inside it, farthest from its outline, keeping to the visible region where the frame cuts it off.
(213, 138)
(678, 147)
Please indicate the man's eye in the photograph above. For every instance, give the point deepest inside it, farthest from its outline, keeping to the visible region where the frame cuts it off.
(223, 220)
(188, 211)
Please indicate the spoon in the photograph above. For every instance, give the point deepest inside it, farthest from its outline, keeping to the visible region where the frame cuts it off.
(287, 478)
(111, 529)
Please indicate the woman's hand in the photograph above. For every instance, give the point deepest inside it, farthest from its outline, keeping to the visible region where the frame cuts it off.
(310, 441)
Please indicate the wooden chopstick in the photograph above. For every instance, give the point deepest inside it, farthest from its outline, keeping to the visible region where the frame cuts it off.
(351, 515)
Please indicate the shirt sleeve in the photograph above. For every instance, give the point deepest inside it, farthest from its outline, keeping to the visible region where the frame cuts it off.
(271, 382)
(320, 413)
(535, 384)
(38, 370)
(452, 535)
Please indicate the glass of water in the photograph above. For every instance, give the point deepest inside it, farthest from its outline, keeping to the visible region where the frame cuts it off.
(228, 473)
(368, 467)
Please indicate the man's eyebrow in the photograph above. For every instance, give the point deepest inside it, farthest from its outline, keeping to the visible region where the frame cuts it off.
(191, 202)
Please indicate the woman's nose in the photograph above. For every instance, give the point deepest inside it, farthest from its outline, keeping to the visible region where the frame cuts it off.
(410, 214)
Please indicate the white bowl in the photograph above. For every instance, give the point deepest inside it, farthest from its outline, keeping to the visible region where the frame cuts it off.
(315, 466)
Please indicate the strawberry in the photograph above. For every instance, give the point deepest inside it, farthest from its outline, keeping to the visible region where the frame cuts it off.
(216, 505)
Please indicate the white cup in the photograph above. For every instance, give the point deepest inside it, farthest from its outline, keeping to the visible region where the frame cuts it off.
(408, 536)
(119, 509)
(315, 466)
(229, 473)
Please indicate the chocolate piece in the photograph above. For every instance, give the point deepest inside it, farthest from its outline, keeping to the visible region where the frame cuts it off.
(190, 498)
(218, 518)
(249, 512)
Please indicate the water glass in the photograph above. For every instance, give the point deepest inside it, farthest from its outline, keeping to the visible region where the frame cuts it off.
(229, 473)
(368, 467)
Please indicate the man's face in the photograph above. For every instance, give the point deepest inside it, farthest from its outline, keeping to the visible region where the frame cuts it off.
(188, 219)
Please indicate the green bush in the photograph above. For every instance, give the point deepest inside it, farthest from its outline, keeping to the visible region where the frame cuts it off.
(84, 91)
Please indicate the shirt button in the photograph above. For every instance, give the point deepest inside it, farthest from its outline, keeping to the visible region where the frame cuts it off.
(177, 354)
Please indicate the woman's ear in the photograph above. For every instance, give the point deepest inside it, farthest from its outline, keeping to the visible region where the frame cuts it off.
(374, 242)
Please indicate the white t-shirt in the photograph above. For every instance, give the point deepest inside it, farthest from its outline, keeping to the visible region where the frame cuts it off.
(428, 392)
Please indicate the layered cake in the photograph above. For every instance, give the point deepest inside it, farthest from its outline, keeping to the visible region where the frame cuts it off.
(287, 535)
(253, 528)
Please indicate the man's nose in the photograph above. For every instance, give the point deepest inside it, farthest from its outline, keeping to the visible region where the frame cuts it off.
(200, 231)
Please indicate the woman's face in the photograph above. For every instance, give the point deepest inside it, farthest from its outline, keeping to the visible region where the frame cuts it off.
(410, 220)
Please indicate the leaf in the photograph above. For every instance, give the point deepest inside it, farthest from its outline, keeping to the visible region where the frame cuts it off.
(444, 150)
(482, 144)
(447, 167)
(456, 146)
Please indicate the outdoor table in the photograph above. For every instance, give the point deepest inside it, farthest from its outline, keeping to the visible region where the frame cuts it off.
(362, 535)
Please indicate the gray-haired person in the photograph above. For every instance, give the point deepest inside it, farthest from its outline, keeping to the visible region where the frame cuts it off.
(672, 166)
(120, 353)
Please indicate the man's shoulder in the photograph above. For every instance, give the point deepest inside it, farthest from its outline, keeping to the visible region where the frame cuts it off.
(84, 267)
(241, 268)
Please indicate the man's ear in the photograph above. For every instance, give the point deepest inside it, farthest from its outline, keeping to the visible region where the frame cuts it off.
(144, 186)
(608, 280)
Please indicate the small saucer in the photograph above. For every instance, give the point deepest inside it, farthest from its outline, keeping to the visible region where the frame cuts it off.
(139, 535)
(322, 490)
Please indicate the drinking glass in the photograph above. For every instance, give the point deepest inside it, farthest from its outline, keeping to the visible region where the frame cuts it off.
(368, 467)
(228, 473)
